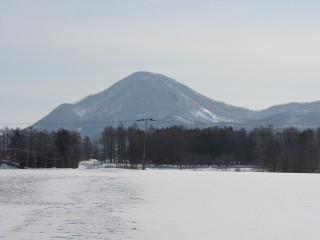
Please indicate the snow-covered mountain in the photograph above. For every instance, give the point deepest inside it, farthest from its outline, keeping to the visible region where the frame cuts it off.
(298, 115)
(141, 95)
(150, 95)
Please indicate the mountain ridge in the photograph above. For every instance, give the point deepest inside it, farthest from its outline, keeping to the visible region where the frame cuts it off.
(145, 94)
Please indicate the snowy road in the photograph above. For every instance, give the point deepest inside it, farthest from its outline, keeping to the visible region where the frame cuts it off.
(157, 204)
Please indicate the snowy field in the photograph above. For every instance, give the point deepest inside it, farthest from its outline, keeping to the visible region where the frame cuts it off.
(158, 204)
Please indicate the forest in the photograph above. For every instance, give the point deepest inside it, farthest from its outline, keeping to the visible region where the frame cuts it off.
(285, 150)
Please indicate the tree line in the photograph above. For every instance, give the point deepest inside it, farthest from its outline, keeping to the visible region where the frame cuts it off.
(33, 148)
(287, 150)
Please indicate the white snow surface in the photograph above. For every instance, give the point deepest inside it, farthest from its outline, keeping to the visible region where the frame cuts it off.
(80, 112)
(157, 204)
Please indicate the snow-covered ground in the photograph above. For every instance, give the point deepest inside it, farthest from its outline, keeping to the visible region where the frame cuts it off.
(157, 204)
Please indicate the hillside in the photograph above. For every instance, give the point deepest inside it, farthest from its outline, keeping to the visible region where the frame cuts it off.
(141, 95)
(153, 95)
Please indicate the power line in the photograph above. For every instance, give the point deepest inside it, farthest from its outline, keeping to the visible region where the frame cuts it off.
(108, 122)
(85, 122)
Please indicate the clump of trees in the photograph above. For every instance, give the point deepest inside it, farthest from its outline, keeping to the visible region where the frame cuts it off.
(33, 148)
(287, 150)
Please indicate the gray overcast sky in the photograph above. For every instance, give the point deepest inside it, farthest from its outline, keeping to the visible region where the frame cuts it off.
(248, 53)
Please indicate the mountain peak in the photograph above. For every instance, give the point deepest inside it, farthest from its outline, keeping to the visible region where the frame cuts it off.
(144, 74)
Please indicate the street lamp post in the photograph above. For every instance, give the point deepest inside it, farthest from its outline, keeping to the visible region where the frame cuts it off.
(144, 140)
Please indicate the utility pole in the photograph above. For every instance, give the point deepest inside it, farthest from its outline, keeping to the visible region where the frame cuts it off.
(2, 135)
(144, 140)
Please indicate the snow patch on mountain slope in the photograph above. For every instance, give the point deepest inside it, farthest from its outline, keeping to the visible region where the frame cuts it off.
(206, 114)
(80, 112)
